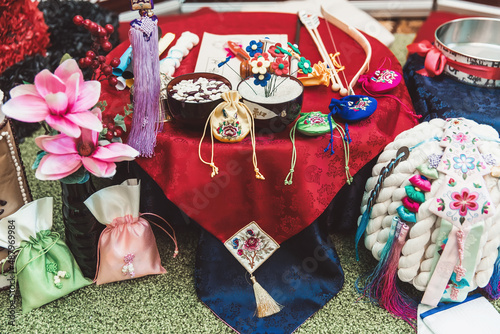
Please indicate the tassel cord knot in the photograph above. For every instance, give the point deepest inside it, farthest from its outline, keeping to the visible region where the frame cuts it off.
(289, 177)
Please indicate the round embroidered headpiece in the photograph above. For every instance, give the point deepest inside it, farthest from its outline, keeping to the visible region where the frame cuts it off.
(446, 193)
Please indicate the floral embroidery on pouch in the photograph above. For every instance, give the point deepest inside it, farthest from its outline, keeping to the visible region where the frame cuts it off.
(315, 119)
(128, 267)
(361, 104)
(385, 76)
(229, 129)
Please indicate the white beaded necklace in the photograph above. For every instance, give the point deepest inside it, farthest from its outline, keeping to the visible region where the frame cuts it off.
(5, 135)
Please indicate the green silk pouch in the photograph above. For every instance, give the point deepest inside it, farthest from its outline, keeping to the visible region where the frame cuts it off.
(45, 268)
(313, 123)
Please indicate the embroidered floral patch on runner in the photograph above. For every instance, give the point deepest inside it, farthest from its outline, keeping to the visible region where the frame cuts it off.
(251, 246)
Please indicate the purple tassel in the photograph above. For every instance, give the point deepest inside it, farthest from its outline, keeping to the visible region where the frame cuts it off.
(381, 287)
(146, 121)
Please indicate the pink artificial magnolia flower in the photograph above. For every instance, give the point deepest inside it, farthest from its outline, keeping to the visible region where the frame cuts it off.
(65, 155)
(62, 99)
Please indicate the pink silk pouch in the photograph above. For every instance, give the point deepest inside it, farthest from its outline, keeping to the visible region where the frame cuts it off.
(381, 81)
(127, 246)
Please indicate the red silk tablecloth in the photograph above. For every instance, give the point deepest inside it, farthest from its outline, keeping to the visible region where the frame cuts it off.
(226, 203)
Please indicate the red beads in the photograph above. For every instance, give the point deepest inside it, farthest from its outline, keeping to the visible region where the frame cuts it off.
(78, 20)
(109, 28)
(115, 62)
(100, 36)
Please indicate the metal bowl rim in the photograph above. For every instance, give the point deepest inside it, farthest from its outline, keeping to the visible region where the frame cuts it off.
(464, 19)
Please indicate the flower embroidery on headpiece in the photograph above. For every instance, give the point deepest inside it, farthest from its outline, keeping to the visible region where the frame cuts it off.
(434, 160)
(460, 137)
(489, 159)
(463, 163)
(128, 267)
(463, 201)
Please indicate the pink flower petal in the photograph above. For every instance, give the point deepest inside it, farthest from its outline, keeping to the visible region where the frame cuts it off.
(55, 166)
(72, 89)
(99, 168)
(67, 69)
(115, 152)
(63, 125)
(47, 83)
(97, 112)
(26, 108)
(90, 136)
(58, 103)
(88, 96)
(58, 144)
(23, 90)
(85, 119)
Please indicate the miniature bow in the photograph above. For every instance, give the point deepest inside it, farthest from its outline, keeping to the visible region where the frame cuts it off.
(358, 37)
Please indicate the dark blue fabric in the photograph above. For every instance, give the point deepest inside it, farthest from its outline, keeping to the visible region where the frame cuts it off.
(303, 275)
(445, 97)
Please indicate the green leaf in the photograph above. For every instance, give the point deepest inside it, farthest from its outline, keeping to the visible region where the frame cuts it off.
(26, 82)
(38, 158)
(65, 57)
(80, 176)
(130, 109)
(120, 121)
(101, 105)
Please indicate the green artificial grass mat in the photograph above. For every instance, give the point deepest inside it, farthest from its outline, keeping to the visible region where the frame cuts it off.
(168, 303)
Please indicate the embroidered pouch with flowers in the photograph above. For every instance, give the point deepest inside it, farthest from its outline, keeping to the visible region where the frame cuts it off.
(353, 108)
(45, 268)
(127, 246)
(313, 123)
(231, 121)
(381, 81)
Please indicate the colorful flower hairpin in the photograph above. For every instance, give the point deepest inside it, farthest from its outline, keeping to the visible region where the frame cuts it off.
(268, 61)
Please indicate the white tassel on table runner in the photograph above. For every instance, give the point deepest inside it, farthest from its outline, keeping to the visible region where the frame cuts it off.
(251, 246)
(266, 305)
